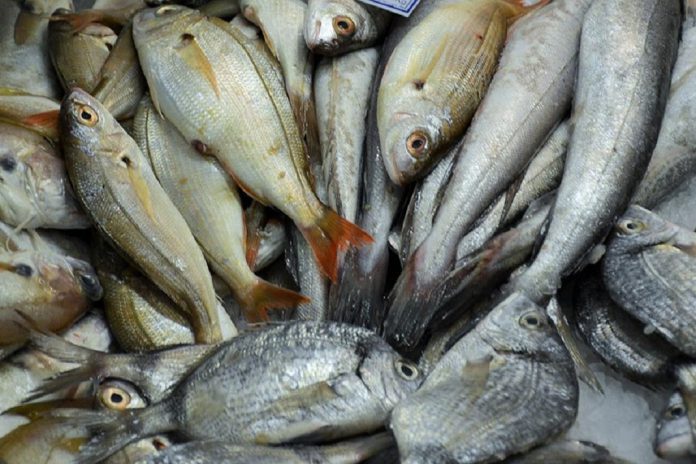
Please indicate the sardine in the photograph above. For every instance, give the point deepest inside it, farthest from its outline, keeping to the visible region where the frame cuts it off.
(505, 387)
(120, 193)
(673, 437)
(649, 270)
(210, 204)
(312, 382)
(195, 67)
(334, 27)
(618, 338)
(79, 56)
(618, 106)
(438, 74)
(540, 79)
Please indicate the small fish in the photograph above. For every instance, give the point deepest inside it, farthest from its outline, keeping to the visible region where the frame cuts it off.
(334, 27)
(110, 173)
(649, 270)
(674, 438)
(505, 387)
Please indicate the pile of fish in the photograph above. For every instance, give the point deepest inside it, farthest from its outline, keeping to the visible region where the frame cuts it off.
(314, 231)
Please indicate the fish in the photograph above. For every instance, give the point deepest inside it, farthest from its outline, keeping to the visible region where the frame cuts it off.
(615, 336)
(312, 381)
(503, 388)
(34, 112)
(210, 204)
(141, 316)
(673, 434)
(210, 60)
(648, 271)
(117, 188)
(115, 18)
(50, 289)
(335, 27)
(568, 452)
(540, 79)
(24, 46)
(308, 277)
(350, 451)
(342, 91)
(678, 205)
(121, 83)
(220, 8)
(435, 79)
(618, 106)
(35, 189)
(272, 240)
(78, 56)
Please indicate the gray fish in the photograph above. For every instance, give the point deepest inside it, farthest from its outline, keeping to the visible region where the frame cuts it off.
(568, 452)
(673, 436)
(496, 148)
(626, 55)
(649, 269)
(503, 388)
(679, 205)
(220, 452)
(334, 27)
(617, 337)
(300, 382)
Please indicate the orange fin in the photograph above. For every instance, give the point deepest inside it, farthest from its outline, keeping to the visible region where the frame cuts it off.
(264, 296)
(253, 243)
(330, 235)
(194, 56)
(47, 120)
(27, 26)
(79, 21)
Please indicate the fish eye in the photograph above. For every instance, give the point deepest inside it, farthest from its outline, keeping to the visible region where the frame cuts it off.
(8, 163)
(630, 226)
(87, 116)
(118, 395)
(165, 10)
(676, 411)
(406, 369)
(531, 320)
(417, 143)
(344, 26)
(23, 270)
(91, 286)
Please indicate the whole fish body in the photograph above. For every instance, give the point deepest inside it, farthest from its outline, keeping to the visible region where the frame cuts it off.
(35, 189)
(673, 436)
(210, 204)
(435, 79)
(618, 338)
(342, 91)
(311, 381)
(334, 27)
(194, 68)
(626, 55)
(497, 147)
(505, 387)
(120, 193)
(649, 270)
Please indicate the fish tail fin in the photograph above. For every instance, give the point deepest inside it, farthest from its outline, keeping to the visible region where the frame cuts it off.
(46, 120)
(331, 234)
(264, 296)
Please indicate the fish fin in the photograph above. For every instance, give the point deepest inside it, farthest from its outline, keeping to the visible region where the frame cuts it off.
(142, 191)
(27, 26)
(34, 411)
(45, 120)
(264, 296)
(253, 243)
(304, 397)
(194, 56)
(475, 375)
(331, 234)
(80, 20)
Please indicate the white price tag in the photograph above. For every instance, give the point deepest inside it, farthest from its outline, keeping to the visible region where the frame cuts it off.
(400, 7)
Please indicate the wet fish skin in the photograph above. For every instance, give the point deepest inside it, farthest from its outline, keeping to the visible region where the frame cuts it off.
(618, 338)
(273, 238)
(34, 112)
(496, 148)
(211, 451)
(308, 277)
(678, 206)
(312, 381)
(614, 130)
(189, 87)
(78, 56)
(118, 190)
(35, 189)
(648, 270)
(342, 91)
(503, 388)
(334, 27)
(568, 452)
(673, 436)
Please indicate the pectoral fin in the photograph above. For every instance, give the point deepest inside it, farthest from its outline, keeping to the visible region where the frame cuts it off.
(194, 56)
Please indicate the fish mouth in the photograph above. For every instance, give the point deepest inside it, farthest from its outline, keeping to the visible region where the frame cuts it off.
(675, 446)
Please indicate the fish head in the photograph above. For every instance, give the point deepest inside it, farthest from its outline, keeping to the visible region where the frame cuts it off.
(83, 121)
(87, 278)
(640, 228)
(520, 326)
(389, 377)
(673, 437)
(334, 27)
(411, 140)
(118, 395)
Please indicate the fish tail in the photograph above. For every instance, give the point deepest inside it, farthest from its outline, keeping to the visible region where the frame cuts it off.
(264, 296)
(46, 120)
(331, 234)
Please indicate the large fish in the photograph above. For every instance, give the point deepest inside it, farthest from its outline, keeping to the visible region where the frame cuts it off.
(195, 68)
(438, 74)
(119, 191)
(618, 106)
(537, 71)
